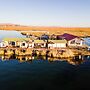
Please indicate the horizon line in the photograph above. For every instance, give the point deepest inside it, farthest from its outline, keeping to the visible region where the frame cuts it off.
(45, 25)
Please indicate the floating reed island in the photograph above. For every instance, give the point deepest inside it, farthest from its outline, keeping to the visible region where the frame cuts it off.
(52, 53)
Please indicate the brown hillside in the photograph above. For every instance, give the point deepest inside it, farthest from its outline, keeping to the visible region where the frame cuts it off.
(52, 30)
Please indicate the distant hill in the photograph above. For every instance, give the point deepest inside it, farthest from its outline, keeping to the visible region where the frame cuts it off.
(81, 31)
(22, 27)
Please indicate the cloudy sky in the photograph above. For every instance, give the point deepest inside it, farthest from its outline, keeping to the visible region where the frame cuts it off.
(74, 13)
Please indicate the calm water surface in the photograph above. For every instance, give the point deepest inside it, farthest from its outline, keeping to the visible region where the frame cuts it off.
(9, 34)
(87, 41)
(44, 75)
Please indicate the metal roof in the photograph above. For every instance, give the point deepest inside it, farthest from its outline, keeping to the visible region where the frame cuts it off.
(16, 39)
(67, 36)
(39, 41)
(57, 41)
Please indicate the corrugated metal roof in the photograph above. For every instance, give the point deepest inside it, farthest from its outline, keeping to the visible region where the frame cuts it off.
(39, 41)
(67, 36)
(57, 41)
(16, 39)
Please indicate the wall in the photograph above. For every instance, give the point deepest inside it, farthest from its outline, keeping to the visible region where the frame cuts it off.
(76, 42)
(57, 45)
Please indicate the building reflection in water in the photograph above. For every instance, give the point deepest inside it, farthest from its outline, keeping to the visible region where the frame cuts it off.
(77, 60)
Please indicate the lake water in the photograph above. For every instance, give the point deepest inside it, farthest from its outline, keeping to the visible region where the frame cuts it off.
(9, 34)
(43, 74)
(87, 41)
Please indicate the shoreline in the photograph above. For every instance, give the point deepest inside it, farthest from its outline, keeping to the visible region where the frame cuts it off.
(79, 31)
(72, 56)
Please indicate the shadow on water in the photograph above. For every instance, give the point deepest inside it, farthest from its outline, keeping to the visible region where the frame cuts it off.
(76, 60)
(13, 56)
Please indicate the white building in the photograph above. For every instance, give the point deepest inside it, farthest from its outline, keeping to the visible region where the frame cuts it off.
(23, 44)
(3, 44)
(57, 43)
(75, 42)
(72, 40)
(16, 42)
(39, 43)
(31, 44)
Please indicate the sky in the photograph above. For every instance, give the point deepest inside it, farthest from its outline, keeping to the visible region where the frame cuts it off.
(68, 13)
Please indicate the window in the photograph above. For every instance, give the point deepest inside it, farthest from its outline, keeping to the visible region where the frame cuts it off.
(3, 44)
(78, 43)
(13, 43)
(72, 42)
(42, 44)
(23, 44)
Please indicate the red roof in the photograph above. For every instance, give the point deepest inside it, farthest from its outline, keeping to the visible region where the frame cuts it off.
(67, 36)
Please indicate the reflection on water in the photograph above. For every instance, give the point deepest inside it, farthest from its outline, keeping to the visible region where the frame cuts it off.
(39, 73)
(77, 60)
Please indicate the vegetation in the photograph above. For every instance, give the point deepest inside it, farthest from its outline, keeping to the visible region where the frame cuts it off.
(79, 31)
